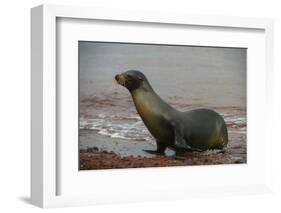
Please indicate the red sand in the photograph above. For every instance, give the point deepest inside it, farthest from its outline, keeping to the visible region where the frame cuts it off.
(95, 159)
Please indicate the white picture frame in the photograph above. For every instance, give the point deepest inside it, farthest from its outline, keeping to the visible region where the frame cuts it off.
(45, 157)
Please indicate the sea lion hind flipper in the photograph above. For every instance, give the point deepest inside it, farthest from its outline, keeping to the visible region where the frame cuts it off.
(179, 140)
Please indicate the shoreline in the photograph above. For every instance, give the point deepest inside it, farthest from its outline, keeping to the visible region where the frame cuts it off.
(101, 152)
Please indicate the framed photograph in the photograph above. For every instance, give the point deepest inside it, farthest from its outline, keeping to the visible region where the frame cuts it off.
(130, 106)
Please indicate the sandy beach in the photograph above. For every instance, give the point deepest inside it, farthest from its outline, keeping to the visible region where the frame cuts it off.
(118, 153)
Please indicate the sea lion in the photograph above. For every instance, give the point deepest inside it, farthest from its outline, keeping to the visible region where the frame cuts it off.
(198, 129)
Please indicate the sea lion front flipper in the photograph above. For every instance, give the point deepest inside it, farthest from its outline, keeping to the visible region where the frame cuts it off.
(150, 151)
(159, 151)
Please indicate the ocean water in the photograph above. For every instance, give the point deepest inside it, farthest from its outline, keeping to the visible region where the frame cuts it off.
(214, 76)
(132, 128)
(129, 128)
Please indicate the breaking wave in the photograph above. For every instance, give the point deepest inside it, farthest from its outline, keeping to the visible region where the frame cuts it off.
(133, 128)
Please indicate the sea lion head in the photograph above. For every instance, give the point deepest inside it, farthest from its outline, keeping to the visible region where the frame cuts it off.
(132, 80)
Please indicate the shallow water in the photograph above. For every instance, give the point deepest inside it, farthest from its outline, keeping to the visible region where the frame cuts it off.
(132, 128)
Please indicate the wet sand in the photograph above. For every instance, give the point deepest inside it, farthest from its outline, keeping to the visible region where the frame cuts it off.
(118, 153)
(95, 159)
